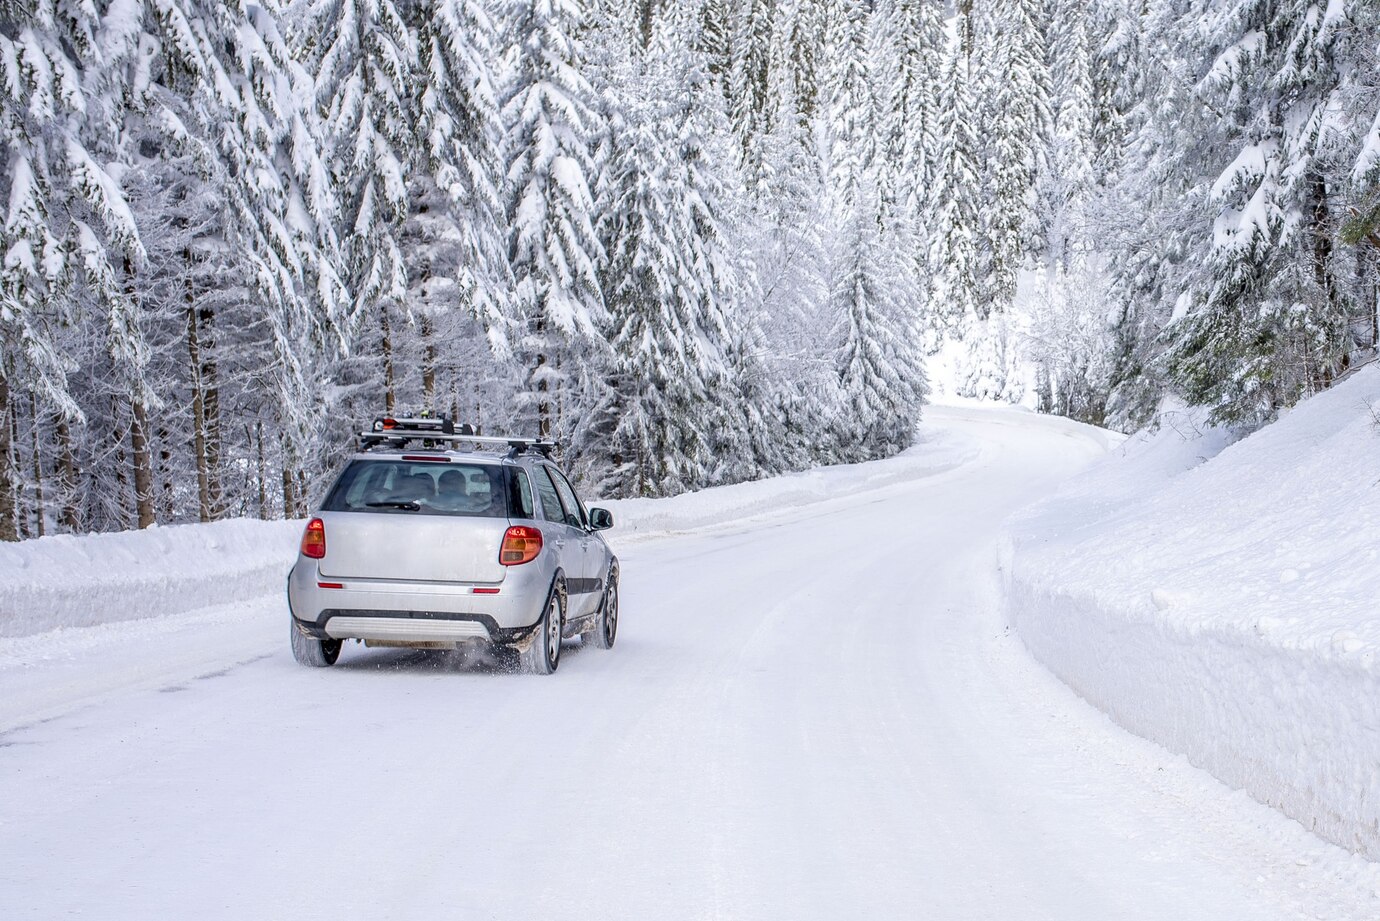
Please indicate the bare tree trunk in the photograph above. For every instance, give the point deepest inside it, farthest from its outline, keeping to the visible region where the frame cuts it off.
(40, 512)
(167, 498)
(8, 506)
(263, 472)
(210, 384)
(122, 481)
(386, 346)
(289, 483)
(21, 504)
(302, 497)
(143, 464)
(289, 499)
(543, 401)
(203, 479)
(1322, 264)
(67, 477)
(428, 363)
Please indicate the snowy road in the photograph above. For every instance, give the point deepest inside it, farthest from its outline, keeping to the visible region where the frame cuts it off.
(812, 715)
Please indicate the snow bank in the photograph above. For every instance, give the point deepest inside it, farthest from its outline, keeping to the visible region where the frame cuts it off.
(79, 581)
(1224, 600)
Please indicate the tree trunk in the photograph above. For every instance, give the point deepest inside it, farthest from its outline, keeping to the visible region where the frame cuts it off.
(143, 464)
(8, 522)
(386, 346)
(67, 477)
(40, 512)
(210, 385)
(263, 472)
(1322, 274)
(121, 480)
(166, 496)
(543, 401)
(289, 499)
(428, 363)
(289, 483)
(203, 477)
(302, 497)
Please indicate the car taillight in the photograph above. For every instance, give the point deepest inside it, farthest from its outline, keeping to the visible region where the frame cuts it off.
(520, 545)
(314, 539)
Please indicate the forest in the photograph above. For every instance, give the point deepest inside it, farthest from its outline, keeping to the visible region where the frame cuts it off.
(698, 241)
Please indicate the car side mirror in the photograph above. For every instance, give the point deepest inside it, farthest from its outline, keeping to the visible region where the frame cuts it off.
(600, 519)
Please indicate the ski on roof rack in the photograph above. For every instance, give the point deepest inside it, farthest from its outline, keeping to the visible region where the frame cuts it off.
(390, 432)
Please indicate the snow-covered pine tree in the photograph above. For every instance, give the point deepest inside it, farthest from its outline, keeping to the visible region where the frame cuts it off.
(671, 416)
(957, 295)
(1269, 325)
(552, 246)
(849, 112)
(245, 112)
(1018, 107)
(452, 242)
(789, 205)
(915, 137)
(364, 58)
(748, 81)
(1071, 175)
(879, 368)
(69, 235)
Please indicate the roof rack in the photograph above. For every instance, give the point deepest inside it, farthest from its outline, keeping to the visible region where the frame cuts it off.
(396, 433)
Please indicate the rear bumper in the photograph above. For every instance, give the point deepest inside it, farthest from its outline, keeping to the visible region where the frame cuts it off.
(421, 612)
(405, 627)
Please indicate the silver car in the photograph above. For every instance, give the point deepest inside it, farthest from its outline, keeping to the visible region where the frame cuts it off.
(434, 539)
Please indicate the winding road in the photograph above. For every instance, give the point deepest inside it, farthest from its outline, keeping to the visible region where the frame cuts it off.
(814, 714)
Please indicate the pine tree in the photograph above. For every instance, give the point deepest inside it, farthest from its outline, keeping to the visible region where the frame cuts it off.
(1269, 324)
(957, 295)
(364, 58)
(1014, 54)
(1071, 175)
(453, 238)
(748, 81)
(880, 375)
(850, 112)
(915, 136)
(552, 247)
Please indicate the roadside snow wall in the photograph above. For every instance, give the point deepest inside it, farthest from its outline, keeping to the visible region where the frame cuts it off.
(1224, 600)
(80, 580)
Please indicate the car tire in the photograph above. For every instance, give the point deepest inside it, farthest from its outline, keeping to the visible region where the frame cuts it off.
(308, 650)
(543, 654)
(605, 629)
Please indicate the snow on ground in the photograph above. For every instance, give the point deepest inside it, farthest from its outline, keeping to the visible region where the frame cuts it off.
(77, 581)
(814, 714)
(1221, 599)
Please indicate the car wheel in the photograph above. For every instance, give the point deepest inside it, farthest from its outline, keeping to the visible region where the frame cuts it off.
(606, 621)
(543, 654)
(308, 650)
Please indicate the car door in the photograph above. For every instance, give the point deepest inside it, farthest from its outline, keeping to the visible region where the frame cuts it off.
(585, 592)
(566, 539)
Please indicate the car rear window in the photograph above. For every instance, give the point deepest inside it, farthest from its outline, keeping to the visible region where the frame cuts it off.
(423, 487)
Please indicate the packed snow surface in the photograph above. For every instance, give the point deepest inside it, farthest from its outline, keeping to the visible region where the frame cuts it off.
(1221, 599)
(816, 713)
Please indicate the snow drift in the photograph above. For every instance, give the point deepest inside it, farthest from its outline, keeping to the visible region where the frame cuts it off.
(1221, 599)
(79, 581)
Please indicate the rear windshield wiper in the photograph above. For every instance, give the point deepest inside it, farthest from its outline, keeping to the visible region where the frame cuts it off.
(406, 505)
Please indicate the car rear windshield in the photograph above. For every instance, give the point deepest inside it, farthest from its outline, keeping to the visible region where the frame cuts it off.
(423, 487)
